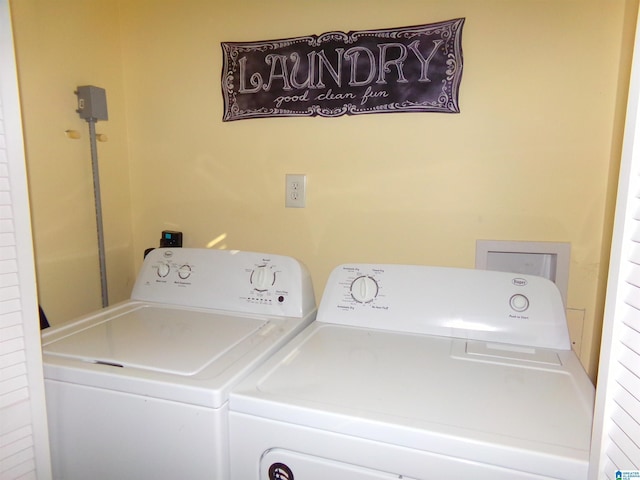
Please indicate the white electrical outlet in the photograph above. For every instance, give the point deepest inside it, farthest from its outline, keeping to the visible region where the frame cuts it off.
(295, 191)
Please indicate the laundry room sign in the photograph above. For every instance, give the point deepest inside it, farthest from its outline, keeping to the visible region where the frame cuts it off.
(408, 69)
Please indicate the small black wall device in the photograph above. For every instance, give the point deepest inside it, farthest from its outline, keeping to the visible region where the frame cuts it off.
(92, 103)
(171, 239)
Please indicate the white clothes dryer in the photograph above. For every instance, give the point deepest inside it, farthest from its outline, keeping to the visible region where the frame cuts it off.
(418, 372)
(139, 390)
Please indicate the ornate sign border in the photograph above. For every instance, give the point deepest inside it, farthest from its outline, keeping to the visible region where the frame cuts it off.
(408, 69)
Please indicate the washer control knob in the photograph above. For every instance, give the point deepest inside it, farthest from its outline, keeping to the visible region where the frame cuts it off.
(184, 272)
(163, 270)
(262, 278)
(364, 289)
(519, 302)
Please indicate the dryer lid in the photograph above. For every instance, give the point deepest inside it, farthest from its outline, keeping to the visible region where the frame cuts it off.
(161, 339)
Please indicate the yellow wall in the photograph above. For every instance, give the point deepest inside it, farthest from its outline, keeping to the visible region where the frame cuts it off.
(60, 45)
(532, 156)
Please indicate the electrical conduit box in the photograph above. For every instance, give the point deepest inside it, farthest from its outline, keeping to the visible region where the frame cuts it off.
(92, 103)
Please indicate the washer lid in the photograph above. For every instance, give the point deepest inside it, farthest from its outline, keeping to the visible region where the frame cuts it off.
(160, 339)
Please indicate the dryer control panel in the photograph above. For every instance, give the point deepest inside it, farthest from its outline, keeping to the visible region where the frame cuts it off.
(454, 302)
(237, 281)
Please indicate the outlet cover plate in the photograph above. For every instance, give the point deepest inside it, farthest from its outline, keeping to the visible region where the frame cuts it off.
(295, 191)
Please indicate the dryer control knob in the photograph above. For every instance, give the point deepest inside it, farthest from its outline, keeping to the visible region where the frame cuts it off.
(364, 289)
(262, 278)
(519, 302)
(163, 270)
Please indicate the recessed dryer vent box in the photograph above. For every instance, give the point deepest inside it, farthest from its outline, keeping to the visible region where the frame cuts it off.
(544, 259)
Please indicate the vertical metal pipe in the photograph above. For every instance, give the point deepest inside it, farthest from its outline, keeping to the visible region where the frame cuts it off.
(96, 191)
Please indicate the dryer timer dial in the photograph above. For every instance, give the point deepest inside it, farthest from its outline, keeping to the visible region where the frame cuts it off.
(364, 289)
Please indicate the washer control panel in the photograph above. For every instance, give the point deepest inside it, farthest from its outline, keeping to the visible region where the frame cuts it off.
(454, 302)
(227, 280)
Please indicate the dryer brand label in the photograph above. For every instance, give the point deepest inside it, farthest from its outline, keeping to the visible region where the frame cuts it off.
(519, 282)
(279, 471)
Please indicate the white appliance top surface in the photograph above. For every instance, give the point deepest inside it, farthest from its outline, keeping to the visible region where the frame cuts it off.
(466, 363)
(168, 340)
(405, 389)
(197, 322)
(190, 355)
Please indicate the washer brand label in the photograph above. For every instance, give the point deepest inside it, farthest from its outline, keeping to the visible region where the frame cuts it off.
(519, 282)
(279, 471)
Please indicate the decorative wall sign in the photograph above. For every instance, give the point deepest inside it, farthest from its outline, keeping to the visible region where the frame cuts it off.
(410, 69)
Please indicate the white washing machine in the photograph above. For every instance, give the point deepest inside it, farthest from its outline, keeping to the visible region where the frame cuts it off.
(139, 390)
(424, 373)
